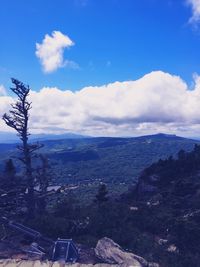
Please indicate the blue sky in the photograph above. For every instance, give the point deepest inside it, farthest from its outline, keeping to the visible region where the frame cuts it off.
(115, 40)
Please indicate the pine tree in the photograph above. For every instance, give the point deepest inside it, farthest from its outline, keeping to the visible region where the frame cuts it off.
(43, 178)
(102, 195)
(9, 181)
(10, 170)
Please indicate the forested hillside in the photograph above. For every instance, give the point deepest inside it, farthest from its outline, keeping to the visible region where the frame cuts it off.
(111, 160)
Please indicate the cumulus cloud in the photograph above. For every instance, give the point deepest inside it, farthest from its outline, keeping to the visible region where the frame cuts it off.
(51, 52)
(195, 5)
(5, 102)
(157, 102)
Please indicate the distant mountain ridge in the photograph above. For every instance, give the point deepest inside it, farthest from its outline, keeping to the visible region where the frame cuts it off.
(106, 159)
(163, 136)
(10, 138)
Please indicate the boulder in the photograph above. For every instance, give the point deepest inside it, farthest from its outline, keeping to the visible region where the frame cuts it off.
(110, 252)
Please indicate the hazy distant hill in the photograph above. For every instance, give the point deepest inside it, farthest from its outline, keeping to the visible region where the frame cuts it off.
(8, 138)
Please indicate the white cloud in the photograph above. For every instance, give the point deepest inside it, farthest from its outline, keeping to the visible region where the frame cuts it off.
(50, 52)
(157, 102)
(5, 102)
(2, 90)
(195, 5)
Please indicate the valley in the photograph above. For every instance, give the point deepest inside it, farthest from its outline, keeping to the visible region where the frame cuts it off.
(81, 164)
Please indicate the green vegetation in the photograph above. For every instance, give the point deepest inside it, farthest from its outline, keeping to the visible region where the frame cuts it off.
(114, 161)
(105, 198)
(160, 225)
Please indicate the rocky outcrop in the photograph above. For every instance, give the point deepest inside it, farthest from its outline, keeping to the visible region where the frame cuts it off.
(26, 263)
(110, 252)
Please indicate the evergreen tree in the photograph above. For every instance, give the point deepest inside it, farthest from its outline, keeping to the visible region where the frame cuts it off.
(9, 177)
(43, 179)
(10, 170)
(102, 195)
(12, 193)
(181, 155)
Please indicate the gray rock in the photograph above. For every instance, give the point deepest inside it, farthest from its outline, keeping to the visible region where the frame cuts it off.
(110, 252)
(37, 263)
(106, 250)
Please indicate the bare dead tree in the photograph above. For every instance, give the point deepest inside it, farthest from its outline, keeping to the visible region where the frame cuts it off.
(18, 119)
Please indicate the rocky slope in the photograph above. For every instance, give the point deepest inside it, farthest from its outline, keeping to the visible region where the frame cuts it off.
(167, 199)
(107, 251)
